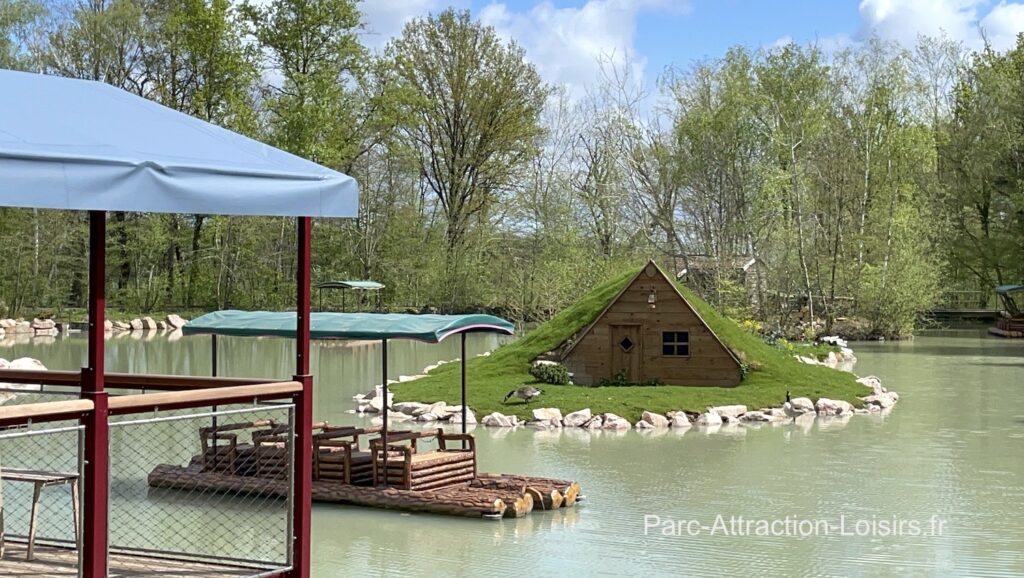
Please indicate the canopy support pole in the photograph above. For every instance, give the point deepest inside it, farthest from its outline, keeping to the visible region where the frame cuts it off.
(302, 474)
(213, 418)
(97, 434)
(463, 368)
(384, 404)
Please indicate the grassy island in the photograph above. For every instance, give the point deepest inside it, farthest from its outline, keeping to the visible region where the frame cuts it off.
(771, 372)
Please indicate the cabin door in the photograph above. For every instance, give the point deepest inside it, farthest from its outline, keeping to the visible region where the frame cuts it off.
(626, 352)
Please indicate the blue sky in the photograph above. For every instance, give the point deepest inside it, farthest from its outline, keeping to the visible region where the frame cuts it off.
(565, 38)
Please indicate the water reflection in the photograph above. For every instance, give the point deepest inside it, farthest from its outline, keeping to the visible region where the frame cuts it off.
(951, 449)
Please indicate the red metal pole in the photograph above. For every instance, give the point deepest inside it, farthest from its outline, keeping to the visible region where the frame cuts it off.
(303, 474)
(94, 523)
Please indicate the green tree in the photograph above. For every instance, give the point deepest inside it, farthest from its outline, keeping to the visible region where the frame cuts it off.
(474, 106)
(18, 18)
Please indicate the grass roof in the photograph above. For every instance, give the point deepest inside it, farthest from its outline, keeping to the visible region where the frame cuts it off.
(771, 371)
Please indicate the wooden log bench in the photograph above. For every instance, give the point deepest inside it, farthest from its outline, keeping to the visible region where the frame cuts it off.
(39, 479)
(338, 455)
(410, 469)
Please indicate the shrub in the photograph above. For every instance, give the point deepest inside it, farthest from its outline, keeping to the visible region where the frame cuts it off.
(555, 374)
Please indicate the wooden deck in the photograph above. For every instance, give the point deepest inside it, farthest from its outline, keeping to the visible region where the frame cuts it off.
(53, 562)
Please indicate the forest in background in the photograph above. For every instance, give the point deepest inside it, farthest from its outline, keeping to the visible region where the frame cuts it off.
(871, 181)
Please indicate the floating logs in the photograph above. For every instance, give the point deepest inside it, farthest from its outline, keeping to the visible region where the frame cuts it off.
(458, 492)
(553, 493)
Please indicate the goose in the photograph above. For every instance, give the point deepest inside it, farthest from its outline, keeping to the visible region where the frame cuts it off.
(525, 393)
(791, 410)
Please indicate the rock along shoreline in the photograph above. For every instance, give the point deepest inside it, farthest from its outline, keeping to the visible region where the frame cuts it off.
(879, 402)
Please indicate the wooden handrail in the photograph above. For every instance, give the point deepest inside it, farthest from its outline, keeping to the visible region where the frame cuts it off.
(202, 397)
(128, 380)
(44, 412)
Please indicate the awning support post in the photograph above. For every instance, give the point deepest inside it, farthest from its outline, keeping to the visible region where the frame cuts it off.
(463, 368)
(384, 403)
(302, 475)
(97, 435)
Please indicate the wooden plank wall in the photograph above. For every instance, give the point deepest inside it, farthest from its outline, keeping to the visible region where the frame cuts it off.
(709, 363)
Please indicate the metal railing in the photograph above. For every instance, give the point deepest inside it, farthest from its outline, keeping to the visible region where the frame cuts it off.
(201, 530)
(196, 521)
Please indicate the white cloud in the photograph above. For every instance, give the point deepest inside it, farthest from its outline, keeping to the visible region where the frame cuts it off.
(384, 19)
(963, 20)
(568, 44)
(1002, 25)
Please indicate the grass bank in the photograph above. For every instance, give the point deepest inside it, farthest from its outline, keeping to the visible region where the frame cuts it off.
(771, 372)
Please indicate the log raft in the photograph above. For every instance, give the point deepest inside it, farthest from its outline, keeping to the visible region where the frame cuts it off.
(479, 495)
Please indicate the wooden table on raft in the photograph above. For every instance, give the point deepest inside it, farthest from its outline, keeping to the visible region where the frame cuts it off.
(40, 479)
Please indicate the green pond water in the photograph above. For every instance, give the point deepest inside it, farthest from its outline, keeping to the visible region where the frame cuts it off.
(944, 471)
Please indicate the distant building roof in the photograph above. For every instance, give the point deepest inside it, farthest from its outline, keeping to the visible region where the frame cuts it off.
(364, 285)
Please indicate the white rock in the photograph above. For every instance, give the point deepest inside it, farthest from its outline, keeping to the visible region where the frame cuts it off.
(882, 401)
(21, 327)
(148, 324)
(654, 419)
(121, 326)
(175, 321)
(596, 422)
(28, 363)
(834, 340)
(427, 417)
(436, 408)
(874, 383)
(577, 418)
(108, 325)
(548, 413)
(43, 324)
(679, 419)
(408, 407)
(405, 378)
(755, 416)
(643, 425)
(162, 326)
(803, 403)
(456, 418)
(776, 413)
(729, 410)
(497, 419)
(612, 421)
(807, 360)
(543, 424)
(136, 325)
(709, 419)
(826, 406)
(537, 362)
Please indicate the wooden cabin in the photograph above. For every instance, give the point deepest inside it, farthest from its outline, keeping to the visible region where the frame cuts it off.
(651, 333)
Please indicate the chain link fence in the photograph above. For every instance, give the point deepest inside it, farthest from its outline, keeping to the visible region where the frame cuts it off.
(210, 486)
(40, 499)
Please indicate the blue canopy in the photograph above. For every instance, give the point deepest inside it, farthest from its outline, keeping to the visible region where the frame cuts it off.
(1007, 289)
(429, 328)
(78, 144)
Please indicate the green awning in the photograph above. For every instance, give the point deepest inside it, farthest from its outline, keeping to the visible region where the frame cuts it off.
(1005, 289)
(364, 285)
(429, 328)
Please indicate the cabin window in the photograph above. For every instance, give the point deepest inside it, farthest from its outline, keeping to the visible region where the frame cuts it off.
(675, 343)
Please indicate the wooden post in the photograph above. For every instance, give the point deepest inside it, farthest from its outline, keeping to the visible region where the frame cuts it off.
(463, 368)
(384, 403)
(303, 472)
(97, 434)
